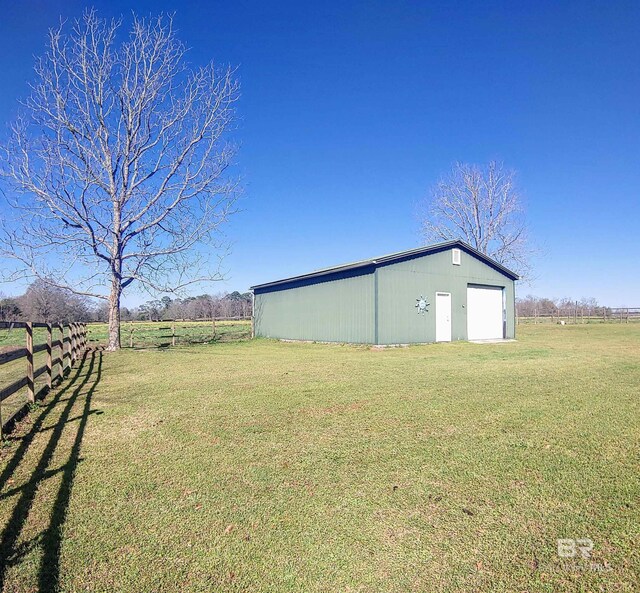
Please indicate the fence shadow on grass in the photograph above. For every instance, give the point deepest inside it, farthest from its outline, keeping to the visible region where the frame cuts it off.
(80, 387)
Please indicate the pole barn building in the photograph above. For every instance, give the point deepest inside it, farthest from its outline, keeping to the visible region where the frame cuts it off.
(438, 293)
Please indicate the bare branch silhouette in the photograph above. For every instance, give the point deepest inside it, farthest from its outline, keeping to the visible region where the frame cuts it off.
(483, 207)
(119, 165)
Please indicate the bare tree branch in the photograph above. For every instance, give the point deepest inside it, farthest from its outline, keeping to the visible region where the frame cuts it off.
(118, 166)
(483, 207)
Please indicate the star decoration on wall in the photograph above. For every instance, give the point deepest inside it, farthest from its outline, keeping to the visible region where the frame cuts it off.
(421, 305)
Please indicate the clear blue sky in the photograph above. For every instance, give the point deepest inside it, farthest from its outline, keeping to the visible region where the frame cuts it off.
(352, 110)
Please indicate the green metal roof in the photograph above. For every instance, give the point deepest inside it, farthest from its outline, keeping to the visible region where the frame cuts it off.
(391, 258)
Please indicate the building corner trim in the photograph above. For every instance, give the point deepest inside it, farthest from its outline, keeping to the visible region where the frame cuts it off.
(376, 339)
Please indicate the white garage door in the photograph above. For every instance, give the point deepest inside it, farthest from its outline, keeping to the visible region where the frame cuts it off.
(484, 313)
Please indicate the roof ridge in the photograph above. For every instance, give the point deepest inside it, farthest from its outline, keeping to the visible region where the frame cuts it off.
(391, 257)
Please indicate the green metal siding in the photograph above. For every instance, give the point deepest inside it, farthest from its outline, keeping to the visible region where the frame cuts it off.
(400, 284)
(335, 311)
(379, 307)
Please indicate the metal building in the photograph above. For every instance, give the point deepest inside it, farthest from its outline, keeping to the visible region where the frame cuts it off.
(438, 293)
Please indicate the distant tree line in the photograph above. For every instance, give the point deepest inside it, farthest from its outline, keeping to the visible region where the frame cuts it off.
(43, 302)
(204, 306)
(533, 306)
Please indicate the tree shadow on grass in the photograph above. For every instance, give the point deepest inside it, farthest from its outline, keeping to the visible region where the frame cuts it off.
(36, 427)
(50, 565)
(51, 539)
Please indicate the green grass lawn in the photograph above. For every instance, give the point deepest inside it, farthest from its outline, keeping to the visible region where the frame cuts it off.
(265, 466)
(145, 335)
(159, 333)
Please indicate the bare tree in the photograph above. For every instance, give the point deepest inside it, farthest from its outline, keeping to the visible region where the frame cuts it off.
(482, 206)
(204, 306)
(533, 306)
(118, 166)
(9, 308)
(44, 302)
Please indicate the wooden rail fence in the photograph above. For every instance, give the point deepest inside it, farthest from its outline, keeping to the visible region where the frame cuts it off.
(580, 315)
(167, 332)
(68, 345)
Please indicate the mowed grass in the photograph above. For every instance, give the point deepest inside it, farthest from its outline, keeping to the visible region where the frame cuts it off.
(267, 466)
(154, 334)
(145, 334)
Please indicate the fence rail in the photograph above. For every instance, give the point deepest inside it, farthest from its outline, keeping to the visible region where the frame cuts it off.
(71, 342)
(184, 320)
(580, 315)
(173, 332)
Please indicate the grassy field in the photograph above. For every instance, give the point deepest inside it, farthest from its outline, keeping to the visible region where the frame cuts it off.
(264, 466)
(145, 335)
(155, 334)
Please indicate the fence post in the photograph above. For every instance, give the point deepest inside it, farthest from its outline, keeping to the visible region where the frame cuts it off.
(131, 329)
(173, 333)
(69, 345)
(63, 363)
(61, 357)
(49, 356)
(31, 396)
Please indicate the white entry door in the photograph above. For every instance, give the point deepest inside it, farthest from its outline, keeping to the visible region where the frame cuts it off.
(443, 317)
(485, 311)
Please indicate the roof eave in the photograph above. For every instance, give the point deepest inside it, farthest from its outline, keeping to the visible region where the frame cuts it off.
(419, 251)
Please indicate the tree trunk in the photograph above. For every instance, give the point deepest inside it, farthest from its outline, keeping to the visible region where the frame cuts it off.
(114, 314)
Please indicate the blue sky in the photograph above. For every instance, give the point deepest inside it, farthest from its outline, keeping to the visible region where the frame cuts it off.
(350, 111)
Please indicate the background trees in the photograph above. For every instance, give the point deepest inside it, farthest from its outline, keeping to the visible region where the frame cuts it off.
(117, 167)
(9, 308)
(482, 206)
(47, 303)
(533, 306)
(205, 306)
(44, 302)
